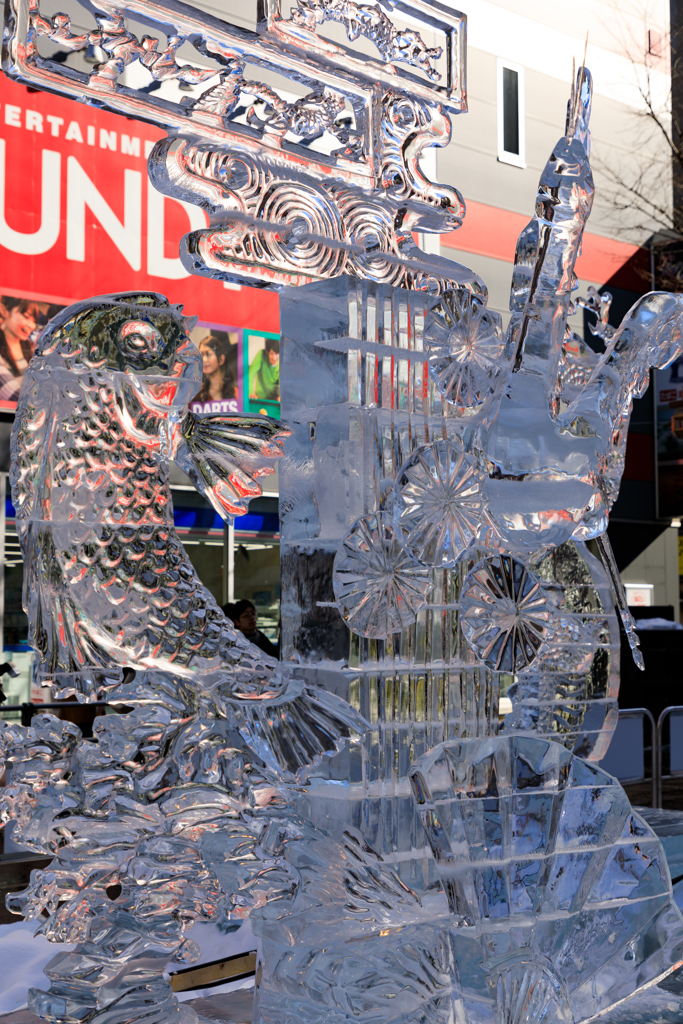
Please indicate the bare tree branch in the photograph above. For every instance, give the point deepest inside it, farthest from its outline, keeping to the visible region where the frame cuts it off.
(639, 193)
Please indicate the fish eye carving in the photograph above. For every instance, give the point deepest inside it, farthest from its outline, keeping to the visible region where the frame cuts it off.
(139, 338)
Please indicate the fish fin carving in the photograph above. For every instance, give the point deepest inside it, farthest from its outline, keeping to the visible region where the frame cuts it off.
(224, 457)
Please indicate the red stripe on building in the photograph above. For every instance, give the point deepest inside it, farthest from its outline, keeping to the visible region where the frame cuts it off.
(490, 231)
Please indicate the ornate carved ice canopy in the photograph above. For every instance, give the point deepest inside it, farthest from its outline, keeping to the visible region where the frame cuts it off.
(299, 187)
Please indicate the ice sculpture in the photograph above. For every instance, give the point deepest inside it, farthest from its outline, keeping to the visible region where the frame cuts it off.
(441, 480)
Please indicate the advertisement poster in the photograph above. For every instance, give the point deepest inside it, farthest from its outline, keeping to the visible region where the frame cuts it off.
(261, 373)
(219, 347)
(669, 426)
(22, 321)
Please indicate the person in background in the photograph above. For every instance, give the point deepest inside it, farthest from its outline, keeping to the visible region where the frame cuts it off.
(19, 318)
(218, 382)
(243, 615)
(264, 373)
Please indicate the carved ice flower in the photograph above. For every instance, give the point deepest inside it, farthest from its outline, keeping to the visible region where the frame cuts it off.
(379, 587)
(464, 345)
(504, 613)
(437, 503)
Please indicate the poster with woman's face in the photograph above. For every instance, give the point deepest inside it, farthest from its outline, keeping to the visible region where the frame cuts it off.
(220, 391)
(241, 368)
(21, 321)
(261, 373)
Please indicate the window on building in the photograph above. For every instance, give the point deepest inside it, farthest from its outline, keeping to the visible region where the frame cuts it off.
(511, 135)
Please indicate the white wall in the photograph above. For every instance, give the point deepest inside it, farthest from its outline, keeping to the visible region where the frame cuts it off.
(658, 564)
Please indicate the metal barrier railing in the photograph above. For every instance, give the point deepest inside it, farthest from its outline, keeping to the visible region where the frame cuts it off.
(666, 714)
(645, 713)
(28, 709)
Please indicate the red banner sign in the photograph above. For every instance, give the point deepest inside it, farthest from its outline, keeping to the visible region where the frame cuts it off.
(79, 217)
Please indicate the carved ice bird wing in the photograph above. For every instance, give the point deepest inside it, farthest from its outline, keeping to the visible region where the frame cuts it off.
(650, 335)
(224, 456)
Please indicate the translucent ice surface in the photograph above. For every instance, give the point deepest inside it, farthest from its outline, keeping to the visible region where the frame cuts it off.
(399, 860)
(379, 585)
